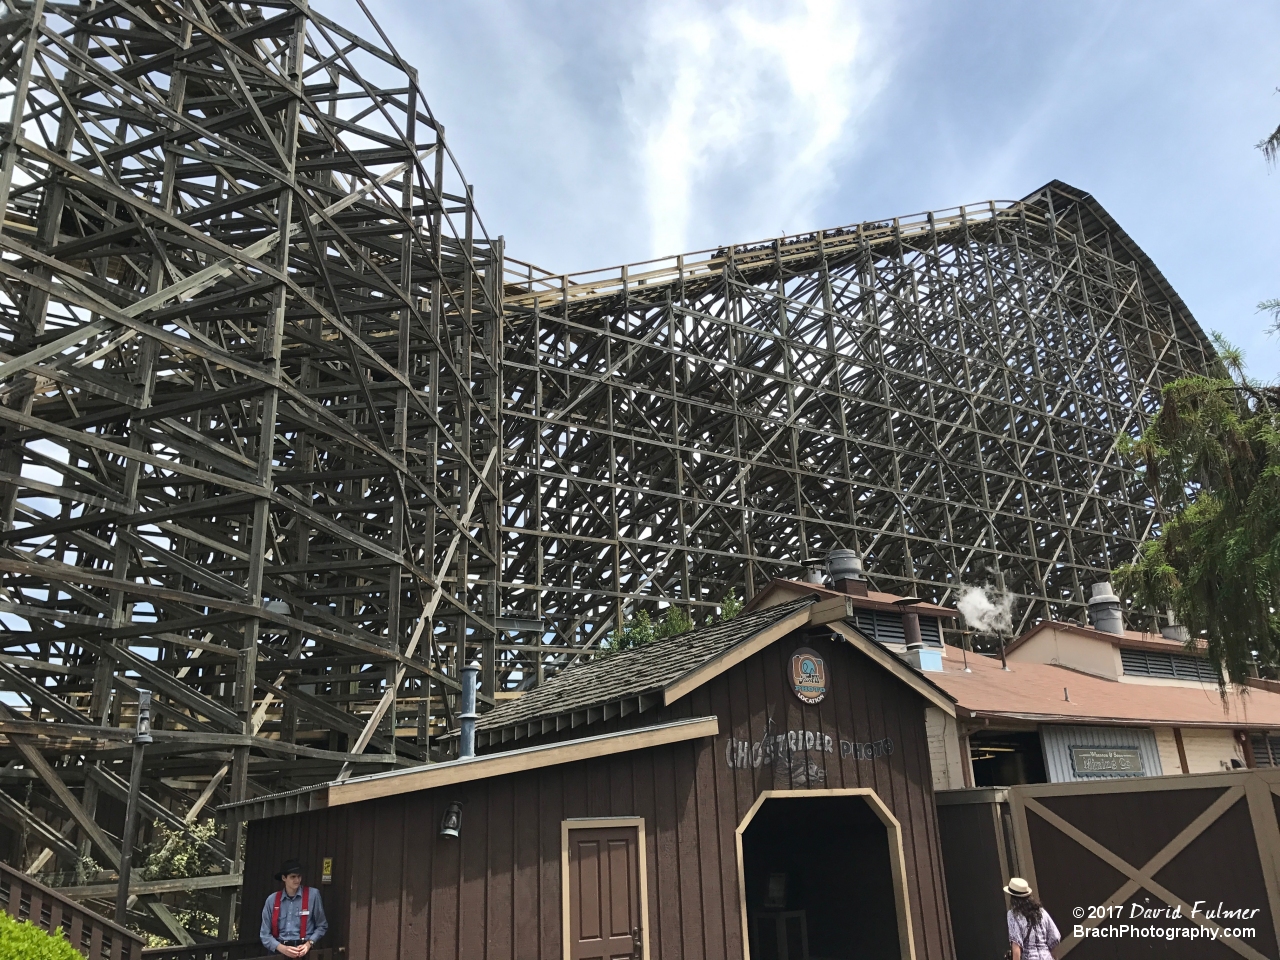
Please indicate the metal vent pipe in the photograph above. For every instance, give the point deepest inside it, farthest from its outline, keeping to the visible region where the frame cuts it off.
(1104, 609)
(845, 569)
(467, 739)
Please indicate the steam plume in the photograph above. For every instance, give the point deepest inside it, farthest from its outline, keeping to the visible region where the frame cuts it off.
(986, 610)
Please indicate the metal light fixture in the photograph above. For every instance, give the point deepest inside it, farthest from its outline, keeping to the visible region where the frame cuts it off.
(451, 822)
(141, 738)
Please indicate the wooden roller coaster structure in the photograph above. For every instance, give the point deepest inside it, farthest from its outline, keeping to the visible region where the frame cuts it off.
(286, 439)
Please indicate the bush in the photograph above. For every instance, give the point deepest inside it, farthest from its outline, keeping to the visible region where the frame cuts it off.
(173, 855)
(730, 607)
(640, 630)
(22, 940)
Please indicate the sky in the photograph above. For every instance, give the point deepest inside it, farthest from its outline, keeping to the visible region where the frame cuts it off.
(599, 133)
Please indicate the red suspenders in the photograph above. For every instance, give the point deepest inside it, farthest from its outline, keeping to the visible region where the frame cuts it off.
(302, 921)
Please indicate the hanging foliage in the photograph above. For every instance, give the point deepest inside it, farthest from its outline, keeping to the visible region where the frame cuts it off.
(1211, 460)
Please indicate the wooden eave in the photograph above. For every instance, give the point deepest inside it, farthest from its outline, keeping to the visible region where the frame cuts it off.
(900, 669)
(1129, 640)
(428, 776)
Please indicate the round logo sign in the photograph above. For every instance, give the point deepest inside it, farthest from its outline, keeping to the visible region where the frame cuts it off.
(808, 676)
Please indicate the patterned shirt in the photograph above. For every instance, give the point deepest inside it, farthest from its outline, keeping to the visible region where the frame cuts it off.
(290, 918)
(1037, 941)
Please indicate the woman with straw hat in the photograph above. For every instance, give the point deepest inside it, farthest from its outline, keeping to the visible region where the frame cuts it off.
(1032, 932)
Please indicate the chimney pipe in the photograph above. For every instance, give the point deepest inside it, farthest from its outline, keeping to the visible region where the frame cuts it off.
(917, 654)
(845, 569)
(1104, 609)
(1174, 630)
(813, 571)
(467, 739)
(911, 629)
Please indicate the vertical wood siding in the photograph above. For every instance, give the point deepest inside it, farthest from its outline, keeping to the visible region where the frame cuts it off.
(310, 839)
(495, 892)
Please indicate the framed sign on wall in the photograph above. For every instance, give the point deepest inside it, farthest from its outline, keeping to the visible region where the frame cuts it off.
(1106, 761)
(808, 676)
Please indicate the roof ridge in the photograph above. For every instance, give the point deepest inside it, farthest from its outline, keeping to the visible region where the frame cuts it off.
(634, 673)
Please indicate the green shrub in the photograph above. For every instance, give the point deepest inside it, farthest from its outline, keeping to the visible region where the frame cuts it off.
(730, 607)
(22, 940)
(174, 855)
(640, 630)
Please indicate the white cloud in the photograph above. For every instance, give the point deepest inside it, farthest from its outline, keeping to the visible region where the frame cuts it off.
(747, 104)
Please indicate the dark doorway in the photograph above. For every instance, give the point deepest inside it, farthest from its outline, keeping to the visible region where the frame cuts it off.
(818, 881)
(1004, 758)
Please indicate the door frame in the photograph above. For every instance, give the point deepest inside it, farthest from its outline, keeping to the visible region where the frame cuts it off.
(897, 861)
(590, 823)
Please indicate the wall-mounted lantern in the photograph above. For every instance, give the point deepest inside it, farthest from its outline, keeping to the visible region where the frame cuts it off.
(451, 822)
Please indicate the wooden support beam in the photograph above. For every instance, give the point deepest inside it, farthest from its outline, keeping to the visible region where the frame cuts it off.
(176, 929)
(287, 437)
(49, 777)
(98, 891)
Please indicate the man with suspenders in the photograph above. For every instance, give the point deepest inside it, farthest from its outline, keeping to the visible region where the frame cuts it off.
(293, 918)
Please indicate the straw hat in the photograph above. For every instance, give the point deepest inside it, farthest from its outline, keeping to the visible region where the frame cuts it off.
(1018, 888)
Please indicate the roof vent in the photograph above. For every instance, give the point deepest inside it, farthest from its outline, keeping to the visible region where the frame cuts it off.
(1174, 630)
(467, 715)
(813, 571)
(844, 567)
(1104, 609)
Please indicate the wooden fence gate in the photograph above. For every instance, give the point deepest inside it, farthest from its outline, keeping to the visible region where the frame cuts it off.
(1185, 866)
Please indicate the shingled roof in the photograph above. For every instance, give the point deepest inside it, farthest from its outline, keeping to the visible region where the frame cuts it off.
(632, 680)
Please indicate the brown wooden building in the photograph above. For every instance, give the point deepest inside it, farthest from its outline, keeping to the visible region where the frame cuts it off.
(757, 788)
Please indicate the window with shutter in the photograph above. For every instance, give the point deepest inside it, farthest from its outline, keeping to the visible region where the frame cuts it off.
(1266, 749)
(889, 628)
(886, 627)
(929, 631)
(1167, 666)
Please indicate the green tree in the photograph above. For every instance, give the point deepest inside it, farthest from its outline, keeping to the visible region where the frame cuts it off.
(1211, 460)
(1270, 147)
(1272, 307)
(174, 854)
(23, 940)
(640, 630)
(730, 607)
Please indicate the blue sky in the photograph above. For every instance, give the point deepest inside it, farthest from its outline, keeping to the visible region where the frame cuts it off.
(598, 133)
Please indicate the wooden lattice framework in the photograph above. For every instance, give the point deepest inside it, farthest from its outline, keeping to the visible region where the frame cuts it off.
(944, 393)
(249, 402)
(284, 438)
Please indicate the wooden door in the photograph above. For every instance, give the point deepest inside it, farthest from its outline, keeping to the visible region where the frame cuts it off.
(604, 894)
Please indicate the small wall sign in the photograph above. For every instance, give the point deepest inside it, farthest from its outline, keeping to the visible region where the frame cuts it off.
(808, 676)
(1106, 761)
(326, 871)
